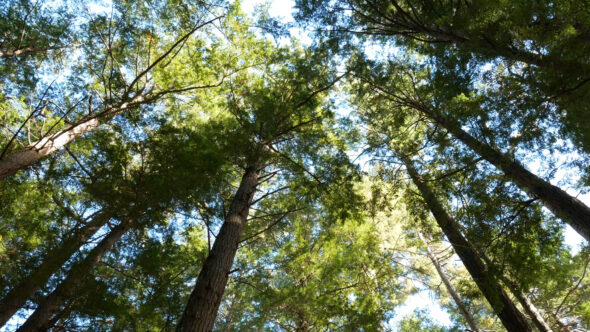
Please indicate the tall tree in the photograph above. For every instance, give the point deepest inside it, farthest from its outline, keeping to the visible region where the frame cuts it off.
(53, 261)
(511, 317)
(450, 288)
(41, 317)
(544, 42)
(279, 117)
(406, 94)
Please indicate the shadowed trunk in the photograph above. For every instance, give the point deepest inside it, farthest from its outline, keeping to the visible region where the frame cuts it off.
(55, 259)
(451, 289)
(201, 310)
(566, 207)
(512, 319)
(41, 319)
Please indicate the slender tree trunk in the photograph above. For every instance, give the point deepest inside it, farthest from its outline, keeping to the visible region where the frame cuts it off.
(27, 50)
(78, 275)
(524, 301)
(566, 207)
(451, 289)
(528, 306)
(512, 319)
(201, 310)
(55, 259)
(22, 158)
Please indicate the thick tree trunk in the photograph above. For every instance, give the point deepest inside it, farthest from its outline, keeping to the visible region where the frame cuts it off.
(566, 207)
(41, 318)
(201, 310)
(451, 289)
(22, 158)
(55, 259)
(512, 319)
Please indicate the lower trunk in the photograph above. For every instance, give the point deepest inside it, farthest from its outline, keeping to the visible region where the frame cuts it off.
(566, 207)
(201, 310)
(40, 320)
(512, 319)
(56, 258)
(451, 289)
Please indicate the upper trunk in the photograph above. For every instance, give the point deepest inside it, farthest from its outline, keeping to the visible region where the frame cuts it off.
(201, 310)
(56, 258)
(24, 157)
(528, 306)
(512, 319)
(40, 320)
(524, 301)
(451, 289)
(568, 208)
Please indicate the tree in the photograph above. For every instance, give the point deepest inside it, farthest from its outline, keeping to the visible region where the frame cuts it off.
(403, 93)
(510, 316)
(176, 165)
(542, 42)
(126, 81)
(450, 288)
(275, 115)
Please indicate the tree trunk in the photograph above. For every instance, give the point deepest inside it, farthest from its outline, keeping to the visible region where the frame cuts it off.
(41, 318)
(201, 310)
(451, 289)
(524, 301)
(27, 50)
(512, 319)
(55, 259)
(22, 158)
(528, 306)
(566, 207)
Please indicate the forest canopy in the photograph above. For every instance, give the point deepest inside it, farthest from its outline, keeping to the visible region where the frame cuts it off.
(209, 165)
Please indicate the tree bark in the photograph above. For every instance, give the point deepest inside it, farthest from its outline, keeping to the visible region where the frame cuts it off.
(201, 310)
(524, 301)
(22, 158)
(41, 318)
(451, 289)
(568, 208)
(55, 259)
(527, 305)
(512, 319)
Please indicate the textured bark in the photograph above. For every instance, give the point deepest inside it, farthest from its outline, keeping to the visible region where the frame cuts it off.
(201, 310)
(512, 319)
(40, 320)
(22, 158)
(566, 207)
(55, 259)
(451, 289)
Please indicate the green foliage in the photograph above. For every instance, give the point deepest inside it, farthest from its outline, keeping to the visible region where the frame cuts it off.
(330, 243)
